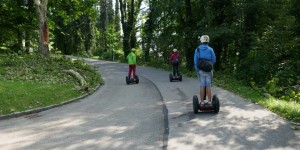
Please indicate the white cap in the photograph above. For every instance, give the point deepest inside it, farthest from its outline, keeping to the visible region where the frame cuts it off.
(174, 50)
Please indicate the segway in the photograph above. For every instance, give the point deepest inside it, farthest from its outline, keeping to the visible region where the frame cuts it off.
(177, 77)
(213, 107)
(132, 80)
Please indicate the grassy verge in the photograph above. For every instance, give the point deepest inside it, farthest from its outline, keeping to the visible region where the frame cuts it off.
(31, 81)
(18, 96)
(289, 110)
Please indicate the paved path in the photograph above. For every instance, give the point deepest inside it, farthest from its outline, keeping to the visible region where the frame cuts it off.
(120, 116)
(240, 124)
(117, 116)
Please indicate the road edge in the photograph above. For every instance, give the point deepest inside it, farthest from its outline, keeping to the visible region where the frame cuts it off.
(40, 109)
(165, 114)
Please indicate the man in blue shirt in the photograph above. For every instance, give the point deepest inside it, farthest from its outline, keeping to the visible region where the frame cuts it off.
(204, 51)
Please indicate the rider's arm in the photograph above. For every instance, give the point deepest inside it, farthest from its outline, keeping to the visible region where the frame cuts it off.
(213, 56)
(196, 61)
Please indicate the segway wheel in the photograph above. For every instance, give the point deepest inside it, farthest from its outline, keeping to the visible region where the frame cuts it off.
(137, 80)
(180, 77)
(216, 103)
(170, 77)
(127, 80)
(195, 104)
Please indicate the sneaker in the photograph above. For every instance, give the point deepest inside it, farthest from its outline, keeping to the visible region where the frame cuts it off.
(202, 104)
(209, 103)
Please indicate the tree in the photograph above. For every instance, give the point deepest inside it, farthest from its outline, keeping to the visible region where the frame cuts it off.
(128, 11)
(117, 17)
(149, 28)
(41, 9)
(16, 24)
(190, 40)
(103, 24)
(73, 26)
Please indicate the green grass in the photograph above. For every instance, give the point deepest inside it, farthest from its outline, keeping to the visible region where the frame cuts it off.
(30, 81)
(18, 96)
(289, 110)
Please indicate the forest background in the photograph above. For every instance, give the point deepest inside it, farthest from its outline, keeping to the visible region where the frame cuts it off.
(255, 41)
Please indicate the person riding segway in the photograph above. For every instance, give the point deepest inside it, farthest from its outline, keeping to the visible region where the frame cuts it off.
(204, 58)
(175, 59)
(131, 58)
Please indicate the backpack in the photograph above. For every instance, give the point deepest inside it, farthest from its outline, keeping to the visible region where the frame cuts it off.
(176, 59)
(204, 64)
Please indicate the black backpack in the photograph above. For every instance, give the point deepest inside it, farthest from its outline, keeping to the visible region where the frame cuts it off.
(204, 64)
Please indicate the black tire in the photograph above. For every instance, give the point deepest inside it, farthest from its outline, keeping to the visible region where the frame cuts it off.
(127, 80)
(195, 104)
(180, 77)
(170, 77)
(216, 103)
(137, 80)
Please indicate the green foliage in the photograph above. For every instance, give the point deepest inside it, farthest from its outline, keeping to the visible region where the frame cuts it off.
(17, 23)
(38, 69)
(291, 96)
(73, 26)
(272, 86)
(286, 109)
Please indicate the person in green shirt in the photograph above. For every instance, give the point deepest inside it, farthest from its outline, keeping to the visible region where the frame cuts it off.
(131, 58)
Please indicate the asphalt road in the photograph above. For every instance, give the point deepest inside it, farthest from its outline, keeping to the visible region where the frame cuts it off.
(154, 114)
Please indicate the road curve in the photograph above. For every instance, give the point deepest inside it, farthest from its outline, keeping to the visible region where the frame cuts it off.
(117, 116)
(120, 116)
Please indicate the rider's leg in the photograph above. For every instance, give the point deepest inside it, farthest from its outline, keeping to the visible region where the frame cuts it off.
(208, 86)
(134, 69)
(129, 71)
(174, 67)
(202, 93)
(202, 80)
(208, 92)
(177, 72)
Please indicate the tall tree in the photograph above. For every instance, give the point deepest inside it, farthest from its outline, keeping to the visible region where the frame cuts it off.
(73, 26)
(149, 29)
(103, 24)
(29, 30)
(190, 40)
(128, 11)
(16, 23)
(117, 17)
(41, 9)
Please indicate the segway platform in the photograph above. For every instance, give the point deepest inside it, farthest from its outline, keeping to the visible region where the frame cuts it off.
(132, 80)
(173, 78)
(213, 107)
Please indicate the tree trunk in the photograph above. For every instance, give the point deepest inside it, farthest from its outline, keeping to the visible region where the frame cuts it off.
(129, 13)
(20, 44)
(190, 39)
(41, 9)
(126, 29)
(103, 24)
(27, 41)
